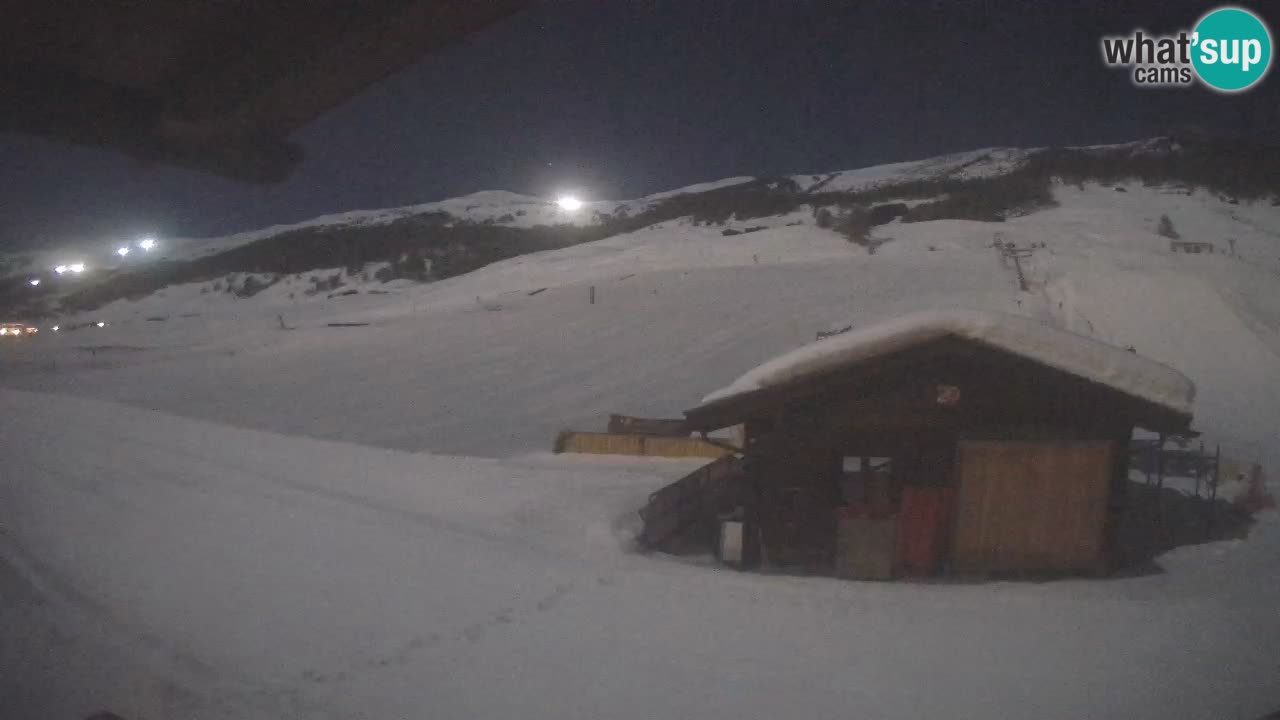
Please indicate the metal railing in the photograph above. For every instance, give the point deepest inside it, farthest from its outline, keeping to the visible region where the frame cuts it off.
(687, 500)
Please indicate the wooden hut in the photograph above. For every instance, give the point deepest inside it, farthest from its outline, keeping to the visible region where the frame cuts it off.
(976, 442)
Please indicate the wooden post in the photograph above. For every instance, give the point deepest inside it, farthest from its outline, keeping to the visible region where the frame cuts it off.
(1199, 468)
(1212, 520)
(1118, 501)
(1160, 462)
(1160, 477)
(1217, 467)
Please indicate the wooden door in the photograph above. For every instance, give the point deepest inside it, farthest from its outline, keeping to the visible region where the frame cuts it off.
(1031, 506)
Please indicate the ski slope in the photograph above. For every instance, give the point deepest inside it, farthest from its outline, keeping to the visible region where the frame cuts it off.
(455, 377)
(477, 365)
(240, 519)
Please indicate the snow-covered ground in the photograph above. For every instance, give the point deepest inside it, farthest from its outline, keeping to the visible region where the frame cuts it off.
(199, 570)
(240, 520)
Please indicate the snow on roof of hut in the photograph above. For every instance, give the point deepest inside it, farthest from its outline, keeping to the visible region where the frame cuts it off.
(1075, 354)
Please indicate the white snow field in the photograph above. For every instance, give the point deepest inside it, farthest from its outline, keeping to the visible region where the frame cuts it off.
(216, 572)
(214, 517)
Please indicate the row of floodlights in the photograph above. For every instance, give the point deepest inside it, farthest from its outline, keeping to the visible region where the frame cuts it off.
(146, 244)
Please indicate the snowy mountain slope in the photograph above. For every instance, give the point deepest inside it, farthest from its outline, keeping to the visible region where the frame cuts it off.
(477, 206)
(985, 163)
(478, 365)
(523, 211)
(693, 189)
(978, 163)
(224, 573)
(440, 240)
(487, 206)
(455, 377)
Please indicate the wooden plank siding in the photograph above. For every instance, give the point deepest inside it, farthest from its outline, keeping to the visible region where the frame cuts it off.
(1032, 506)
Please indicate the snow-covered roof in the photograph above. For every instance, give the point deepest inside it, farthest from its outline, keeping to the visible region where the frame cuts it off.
(1078, 355)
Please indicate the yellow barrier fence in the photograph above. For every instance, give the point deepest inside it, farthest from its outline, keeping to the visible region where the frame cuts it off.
(644, 445)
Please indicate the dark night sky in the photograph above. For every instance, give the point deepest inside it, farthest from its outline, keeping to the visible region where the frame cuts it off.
(624, 98)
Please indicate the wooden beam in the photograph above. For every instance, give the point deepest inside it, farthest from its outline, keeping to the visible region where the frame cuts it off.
(88, 112)
(215, 87)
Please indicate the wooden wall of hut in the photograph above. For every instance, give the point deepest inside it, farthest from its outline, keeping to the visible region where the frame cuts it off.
(919, 414)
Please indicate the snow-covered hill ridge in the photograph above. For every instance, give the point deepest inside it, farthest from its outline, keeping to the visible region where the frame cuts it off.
(959, 185)
(516, 210)
(509, 208)
(452, 237)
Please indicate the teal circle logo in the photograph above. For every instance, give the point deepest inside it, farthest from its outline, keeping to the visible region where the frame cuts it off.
(1231, 49)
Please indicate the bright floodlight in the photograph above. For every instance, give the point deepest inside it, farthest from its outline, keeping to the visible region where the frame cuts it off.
(122, 251)
(54, 328)
(61, 269)
(147, 243)
(76, 267)
(568, 202)
(102, 324)
(34, 281)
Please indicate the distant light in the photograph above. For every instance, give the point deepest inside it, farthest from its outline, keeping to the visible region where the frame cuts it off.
(147, 243)
(76, 267)
(569, 202)
(102, 324)
(54, 328)
(122, 251)
(34, 281)
(61, 269)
